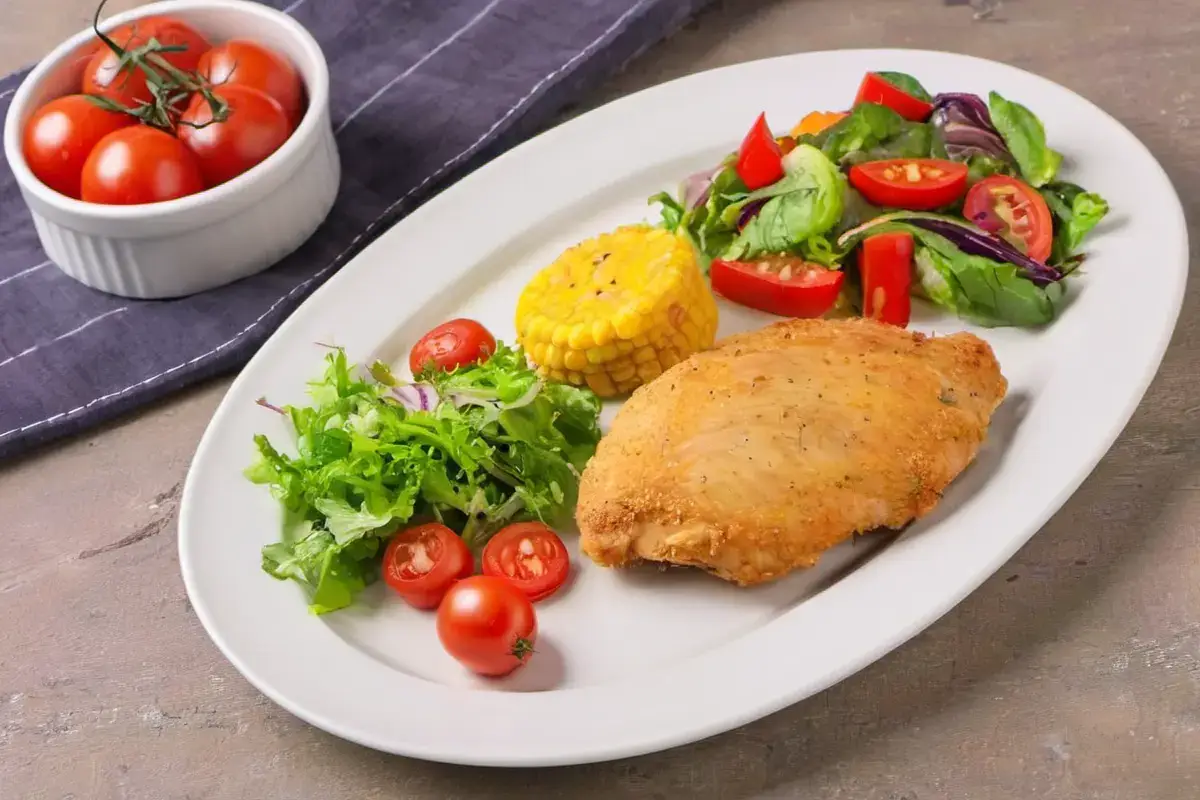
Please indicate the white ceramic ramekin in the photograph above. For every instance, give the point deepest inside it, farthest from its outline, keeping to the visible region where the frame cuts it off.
(204, 240)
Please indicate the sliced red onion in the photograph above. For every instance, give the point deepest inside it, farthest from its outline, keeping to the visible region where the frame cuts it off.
(460, 399)
(262, 401)
(416, 396)
(695, 187)
(750, 211)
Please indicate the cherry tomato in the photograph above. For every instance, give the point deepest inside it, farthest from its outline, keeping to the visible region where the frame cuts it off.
(885, 264)
(488, 625)
(422, 562)
(127, 86)
(1013, 210)
(244, 63)
(759, 160)
(139, 164)
(531, 556)
(60, 135)
(817, 121)
(256, 127)
(875, 89)
(451, 345)
(782, 285)
(913, 183)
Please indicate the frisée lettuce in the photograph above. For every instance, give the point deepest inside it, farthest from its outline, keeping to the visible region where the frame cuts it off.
(475, 448)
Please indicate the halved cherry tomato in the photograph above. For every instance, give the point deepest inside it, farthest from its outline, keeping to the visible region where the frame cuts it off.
(531, 556)
(759, 161)
(256, 127)
(451, 345)
(139, 164)
(126, 85)
(1013, 210)
(244, 63)
(913, 183)
(782, 285)
(885, 264)
(60, 135)
(817, 121)
(875, 89)
(488, 625)
(422, 562)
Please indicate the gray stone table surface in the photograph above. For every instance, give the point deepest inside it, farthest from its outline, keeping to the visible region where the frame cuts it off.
(1073, 673)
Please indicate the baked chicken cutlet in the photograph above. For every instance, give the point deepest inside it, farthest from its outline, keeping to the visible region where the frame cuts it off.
(753, 458)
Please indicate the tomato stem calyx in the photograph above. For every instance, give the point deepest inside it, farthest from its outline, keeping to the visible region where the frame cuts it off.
(168, 87)
(522, 648)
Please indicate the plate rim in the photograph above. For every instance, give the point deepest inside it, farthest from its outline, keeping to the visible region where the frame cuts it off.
(774, 701)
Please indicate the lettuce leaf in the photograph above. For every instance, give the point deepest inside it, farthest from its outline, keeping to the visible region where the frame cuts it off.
(906, 83)
(1076, 212)
(1026, 139)
(872, 132)
(500, 446)
(804, 204)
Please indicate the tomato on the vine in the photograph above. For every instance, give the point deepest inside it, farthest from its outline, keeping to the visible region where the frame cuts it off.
(61, 134)
(530, 556)
(256, 126)
(422, 562)
(240, 62)
(488, 625)
(139, 164)
(126, 84)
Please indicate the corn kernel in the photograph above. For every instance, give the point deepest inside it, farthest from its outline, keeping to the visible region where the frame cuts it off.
(580, 337)
(575, 359)
(599, 355)
(644, 354)
(601, 384)
(649, 371)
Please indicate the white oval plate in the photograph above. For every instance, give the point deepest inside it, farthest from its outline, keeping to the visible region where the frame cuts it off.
(632, 662)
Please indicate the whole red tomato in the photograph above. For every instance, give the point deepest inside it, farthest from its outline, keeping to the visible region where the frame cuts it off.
(139, 164)
(488, 625)
(60, 135)
(451, 345)
(127, 85)
(239, 62)
(255, 127)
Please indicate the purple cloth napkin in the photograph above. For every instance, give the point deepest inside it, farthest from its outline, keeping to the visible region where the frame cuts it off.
(423, 91)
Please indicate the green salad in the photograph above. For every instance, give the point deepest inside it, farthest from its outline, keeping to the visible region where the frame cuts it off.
(952, 198)
(474, 448)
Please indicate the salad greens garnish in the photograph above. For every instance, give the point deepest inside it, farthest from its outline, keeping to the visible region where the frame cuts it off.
(974, 266)
(1075, 212)
(475, 448)
(908, 83)
(800, 207)
(1026, 139)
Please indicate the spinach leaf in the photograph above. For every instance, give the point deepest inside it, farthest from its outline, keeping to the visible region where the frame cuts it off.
(1026, 139)
(1076, 212)
(906, 83)
(872, 132)
(805, 203)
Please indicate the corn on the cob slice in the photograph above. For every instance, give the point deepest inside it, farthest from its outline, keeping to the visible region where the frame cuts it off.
(616, 310)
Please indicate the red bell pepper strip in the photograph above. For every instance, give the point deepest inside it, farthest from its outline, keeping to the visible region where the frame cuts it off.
(782, 285)
(875, 89)
(885, 264)
(759, 160)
